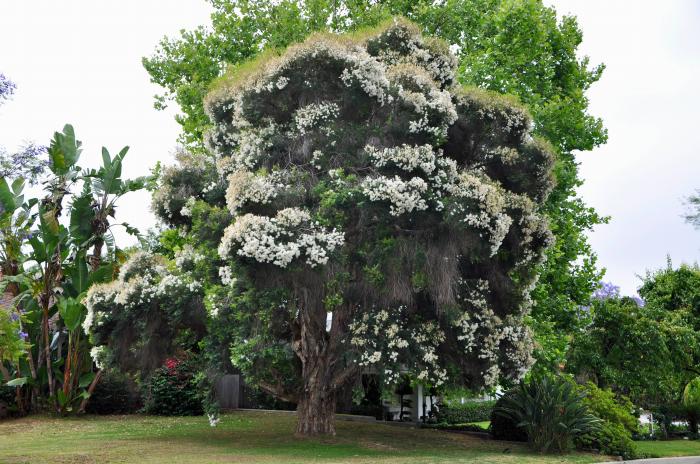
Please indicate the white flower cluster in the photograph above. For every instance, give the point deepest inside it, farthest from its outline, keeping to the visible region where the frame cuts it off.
(252, 145)
(98, 355)
(315, 115)
(279, 240)
(383, 339)
(369, 74)
(247, 187)
(187, 257)
(406, 157)
(226, 275)
(484, 334)
(489, 214)
(403, 196)
(429, 54)
(517, 340)
(434, 106)
(142, 281)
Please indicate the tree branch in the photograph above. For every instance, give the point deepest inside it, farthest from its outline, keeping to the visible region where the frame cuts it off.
(345, 376)
(278, 392)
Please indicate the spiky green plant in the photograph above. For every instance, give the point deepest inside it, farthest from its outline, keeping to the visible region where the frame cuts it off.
(551, 411)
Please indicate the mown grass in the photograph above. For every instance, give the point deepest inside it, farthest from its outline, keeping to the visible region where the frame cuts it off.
(246, 437)
(669, 448)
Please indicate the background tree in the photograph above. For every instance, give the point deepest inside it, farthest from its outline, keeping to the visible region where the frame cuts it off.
(30, 161)
(515, 47)
(693, 215)
(648, 351)
(425, 195)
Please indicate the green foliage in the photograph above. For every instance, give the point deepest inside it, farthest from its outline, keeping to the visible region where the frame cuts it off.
(115, 394)
(51, 251)
(674, 290)
(502, 426)
(618, 426)
(551, 411)
(610, 439)
(469, 411)
(611, 407)
(691, 396)
(173, 390)
(12, 344)
(64, 151)
(638, 351)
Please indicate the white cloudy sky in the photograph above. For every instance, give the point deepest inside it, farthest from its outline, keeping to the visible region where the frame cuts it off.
(80, 62)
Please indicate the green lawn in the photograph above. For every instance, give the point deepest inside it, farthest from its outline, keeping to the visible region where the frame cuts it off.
(245, 437)
(669, 448)
(484, 425)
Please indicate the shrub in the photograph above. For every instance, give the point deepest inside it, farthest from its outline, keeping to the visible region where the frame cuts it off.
(173, 390)
(115, 394)
(608, 406)
(618, 424)
(7, 401)
(462, 413)
(691, 404)
(551, 411)
(503, 427)
(609, 438)
(457, 427)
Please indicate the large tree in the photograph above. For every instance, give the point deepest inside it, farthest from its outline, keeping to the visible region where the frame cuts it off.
(517, 47)
(383, 217)
(648, 350)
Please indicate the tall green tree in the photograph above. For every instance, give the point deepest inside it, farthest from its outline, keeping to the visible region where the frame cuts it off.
(647, 349)
(516, 46)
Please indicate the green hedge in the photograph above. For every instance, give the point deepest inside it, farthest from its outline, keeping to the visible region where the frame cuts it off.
(461, 413)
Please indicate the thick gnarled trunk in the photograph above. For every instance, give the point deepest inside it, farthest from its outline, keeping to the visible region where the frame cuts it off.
(316, 410)
(316, 351)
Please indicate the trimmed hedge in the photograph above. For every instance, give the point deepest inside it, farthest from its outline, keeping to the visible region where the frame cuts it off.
(462, 413)
(456, 427)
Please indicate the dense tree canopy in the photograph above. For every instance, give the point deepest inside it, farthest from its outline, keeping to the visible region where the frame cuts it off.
(361, 183)
(517, 47)
(648, 350)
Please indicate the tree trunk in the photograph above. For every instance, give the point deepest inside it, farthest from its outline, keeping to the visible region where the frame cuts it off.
(316, 351)
(47, 349)
(316, 407)
(90, 391)
(316, 415)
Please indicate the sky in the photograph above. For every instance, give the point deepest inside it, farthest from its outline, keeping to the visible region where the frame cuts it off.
(79, 62)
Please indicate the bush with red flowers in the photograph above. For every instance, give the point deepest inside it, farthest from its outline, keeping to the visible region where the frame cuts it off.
(175, 389)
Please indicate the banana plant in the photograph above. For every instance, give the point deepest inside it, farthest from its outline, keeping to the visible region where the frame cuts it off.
(57, 261)
(105, 186)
